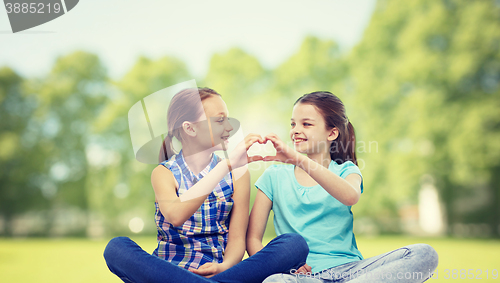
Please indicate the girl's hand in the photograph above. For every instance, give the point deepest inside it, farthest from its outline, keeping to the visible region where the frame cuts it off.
(304, 269)
(284, 153)
(239, 157)
(209, 269)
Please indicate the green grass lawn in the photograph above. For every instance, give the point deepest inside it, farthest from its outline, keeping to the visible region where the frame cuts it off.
(80, 260)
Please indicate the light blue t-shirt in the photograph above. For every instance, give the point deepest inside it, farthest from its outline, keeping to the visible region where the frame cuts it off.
(323, 221)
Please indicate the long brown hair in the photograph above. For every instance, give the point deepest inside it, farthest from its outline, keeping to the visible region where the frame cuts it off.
(333, 111)
(185, 106)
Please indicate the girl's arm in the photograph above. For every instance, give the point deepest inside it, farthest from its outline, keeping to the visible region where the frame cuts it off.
(347, 190)
(258, 221)
(173, 209)
(239, 221)
(257, 226)
(177, 210)
(235, 248)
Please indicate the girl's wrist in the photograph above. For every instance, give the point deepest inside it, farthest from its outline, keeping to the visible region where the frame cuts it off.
(301, 161)
(225, 165)
(224, 266)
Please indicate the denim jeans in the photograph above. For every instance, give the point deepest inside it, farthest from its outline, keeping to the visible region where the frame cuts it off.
(132, 264)
(413, 263)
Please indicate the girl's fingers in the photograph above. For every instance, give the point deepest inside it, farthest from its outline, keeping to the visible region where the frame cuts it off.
(272, 135)
(203, 271)
(272, 139)
(250, 140)
(270, 158)
(275, 140)
(206, 265)
(255, 158)
(304, 269)
(199, 272)
(301, 270)
(261, 139)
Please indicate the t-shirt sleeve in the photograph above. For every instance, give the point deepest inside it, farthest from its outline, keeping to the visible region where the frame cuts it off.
(265, 182)
(350, 168)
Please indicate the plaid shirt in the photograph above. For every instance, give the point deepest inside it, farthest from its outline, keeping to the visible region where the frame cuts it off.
(203, 237)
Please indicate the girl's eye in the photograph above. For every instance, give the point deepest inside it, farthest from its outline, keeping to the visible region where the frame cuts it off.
(292, 124)
(307, 124)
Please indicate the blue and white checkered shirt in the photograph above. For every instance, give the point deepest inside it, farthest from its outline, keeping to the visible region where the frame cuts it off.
(203, 237)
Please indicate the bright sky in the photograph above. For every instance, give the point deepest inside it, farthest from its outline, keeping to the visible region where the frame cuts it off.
(120, 30)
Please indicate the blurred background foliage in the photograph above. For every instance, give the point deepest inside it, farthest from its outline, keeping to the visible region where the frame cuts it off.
(422, 89)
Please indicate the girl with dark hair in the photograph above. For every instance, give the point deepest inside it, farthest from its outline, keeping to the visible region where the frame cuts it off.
(202, 204)
(312, 195)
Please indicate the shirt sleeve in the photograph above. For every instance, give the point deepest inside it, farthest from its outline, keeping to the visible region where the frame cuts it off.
(350, 168)
(265, 182)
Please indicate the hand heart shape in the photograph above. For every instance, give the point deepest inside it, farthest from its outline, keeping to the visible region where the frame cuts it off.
(239, 157)
(284, 153)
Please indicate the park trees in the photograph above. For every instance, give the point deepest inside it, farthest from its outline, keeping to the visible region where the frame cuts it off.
(426, 79)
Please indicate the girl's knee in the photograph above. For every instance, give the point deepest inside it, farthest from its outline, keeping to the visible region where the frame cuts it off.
(430, 254)
(114, 248)
(426, 254)
(275, 278)
(295, 242)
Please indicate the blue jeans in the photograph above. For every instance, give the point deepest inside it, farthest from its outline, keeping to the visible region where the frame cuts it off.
(413, 263)
(132, 264)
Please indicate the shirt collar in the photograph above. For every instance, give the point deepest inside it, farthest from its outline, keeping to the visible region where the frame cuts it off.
(186, 171)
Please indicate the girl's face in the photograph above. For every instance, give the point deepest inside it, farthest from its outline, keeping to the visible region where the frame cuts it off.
(309, 132)
(216, 131)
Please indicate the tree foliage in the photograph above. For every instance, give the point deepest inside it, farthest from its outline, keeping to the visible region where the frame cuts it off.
(426, 78)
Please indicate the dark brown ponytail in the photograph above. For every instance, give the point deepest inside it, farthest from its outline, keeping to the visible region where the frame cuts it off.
(351, 144)
(333, 111)
(167, 149)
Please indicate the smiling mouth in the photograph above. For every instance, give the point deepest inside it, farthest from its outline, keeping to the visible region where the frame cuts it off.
(298, 140)
(225, 138)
